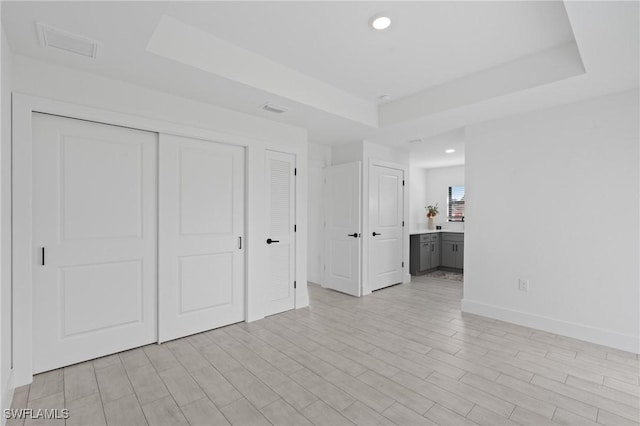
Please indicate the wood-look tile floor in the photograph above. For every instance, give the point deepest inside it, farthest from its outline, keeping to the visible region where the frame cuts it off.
(404, 355)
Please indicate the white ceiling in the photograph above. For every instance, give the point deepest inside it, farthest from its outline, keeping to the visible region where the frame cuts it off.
(446, 64)
(427, 44)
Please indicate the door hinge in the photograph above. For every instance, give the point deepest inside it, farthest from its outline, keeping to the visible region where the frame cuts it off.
(295, 284)
(295, 171)
(295, 228)
(403, 264)
(402, 182)
(403, 223)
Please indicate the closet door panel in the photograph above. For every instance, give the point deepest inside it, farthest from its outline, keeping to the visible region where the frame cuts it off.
(201, 223)
(94, 240)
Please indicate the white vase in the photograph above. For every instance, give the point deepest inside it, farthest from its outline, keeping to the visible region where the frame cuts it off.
(430, 223)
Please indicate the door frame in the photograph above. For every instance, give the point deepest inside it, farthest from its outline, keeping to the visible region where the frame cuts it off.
(366, 225)
(22, 253)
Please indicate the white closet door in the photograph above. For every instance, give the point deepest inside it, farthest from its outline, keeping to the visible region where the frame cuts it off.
(94, 238)
(343, 194)
(280, 238)
(201, 217)
(386, 207)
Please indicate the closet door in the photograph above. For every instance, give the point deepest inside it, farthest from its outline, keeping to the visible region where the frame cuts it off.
(343, 248)
(94, 238)
(201, 230)
(386, 211)
(280, 197)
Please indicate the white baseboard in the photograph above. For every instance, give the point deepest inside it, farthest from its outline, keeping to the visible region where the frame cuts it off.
(7, 396)
(599, 336)
(407, 278)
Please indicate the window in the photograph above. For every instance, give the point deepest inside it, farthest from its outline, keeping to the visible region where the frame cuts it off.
(455, 204)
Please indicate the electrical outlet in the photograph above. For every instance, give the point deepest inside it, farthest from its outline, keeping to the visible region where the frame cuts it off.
(523, 285)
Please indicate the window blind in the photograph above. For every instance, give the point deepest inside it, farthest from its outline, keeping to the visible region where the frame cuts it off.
(455, 204)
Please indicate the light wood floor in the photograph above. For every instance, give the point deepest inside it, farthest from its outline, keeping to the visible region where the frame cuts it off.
(404, 355)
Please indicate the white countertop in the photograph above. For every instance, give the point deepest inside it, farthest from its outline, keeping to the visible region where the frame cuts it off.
(434, 231)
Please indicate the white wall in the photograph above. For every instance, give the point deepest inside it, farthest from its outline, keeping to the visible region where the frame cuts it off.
(418, 197)
(582, 261)
(438, 182)
(431, 186)
(80, 88)
(347, 153)
(55, 82)
(319, 158)
(6, 390)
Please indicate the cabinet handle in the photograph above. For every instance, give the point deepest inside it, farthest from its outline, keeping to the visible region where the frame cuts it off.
(42, 256)
(432, 246)
(239, 243)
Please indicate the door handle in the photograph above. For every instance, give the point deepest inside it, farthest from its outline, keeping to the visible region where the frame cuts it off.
(269, 241)
(354, 235)
(375, 233)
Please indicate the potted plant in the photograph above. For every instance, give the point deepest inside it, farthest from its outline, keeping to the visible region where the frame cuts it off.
(432, 211)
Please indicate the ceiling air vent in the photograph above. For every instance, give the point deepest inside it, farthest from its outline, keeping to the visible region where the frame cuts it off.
(274, 108)
(60, 39)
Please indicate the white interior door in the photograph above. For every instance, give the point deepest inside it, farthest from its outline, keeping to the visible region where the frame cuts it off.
(386, 211)
(94, 238)
(201, 252)
(343, 192)
(280, 239)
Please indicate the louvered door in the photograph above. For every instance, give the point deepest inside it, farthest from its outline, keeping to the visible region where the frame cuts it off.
(279, 240)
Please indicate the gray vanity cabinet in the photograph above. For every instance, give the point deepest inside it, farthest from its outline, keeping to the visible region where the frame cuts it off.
(425, 253)
(425, 256)
(452, 251)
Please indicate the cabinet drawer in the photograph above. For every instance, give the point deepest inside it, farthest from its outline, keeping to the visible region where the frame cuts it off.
(425, 237)
(457, 238)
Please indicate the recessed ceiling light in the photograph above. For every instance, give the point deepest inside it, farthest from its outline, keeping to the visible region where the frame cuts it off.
(384, 98)
(380, 22)
(450, 151)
